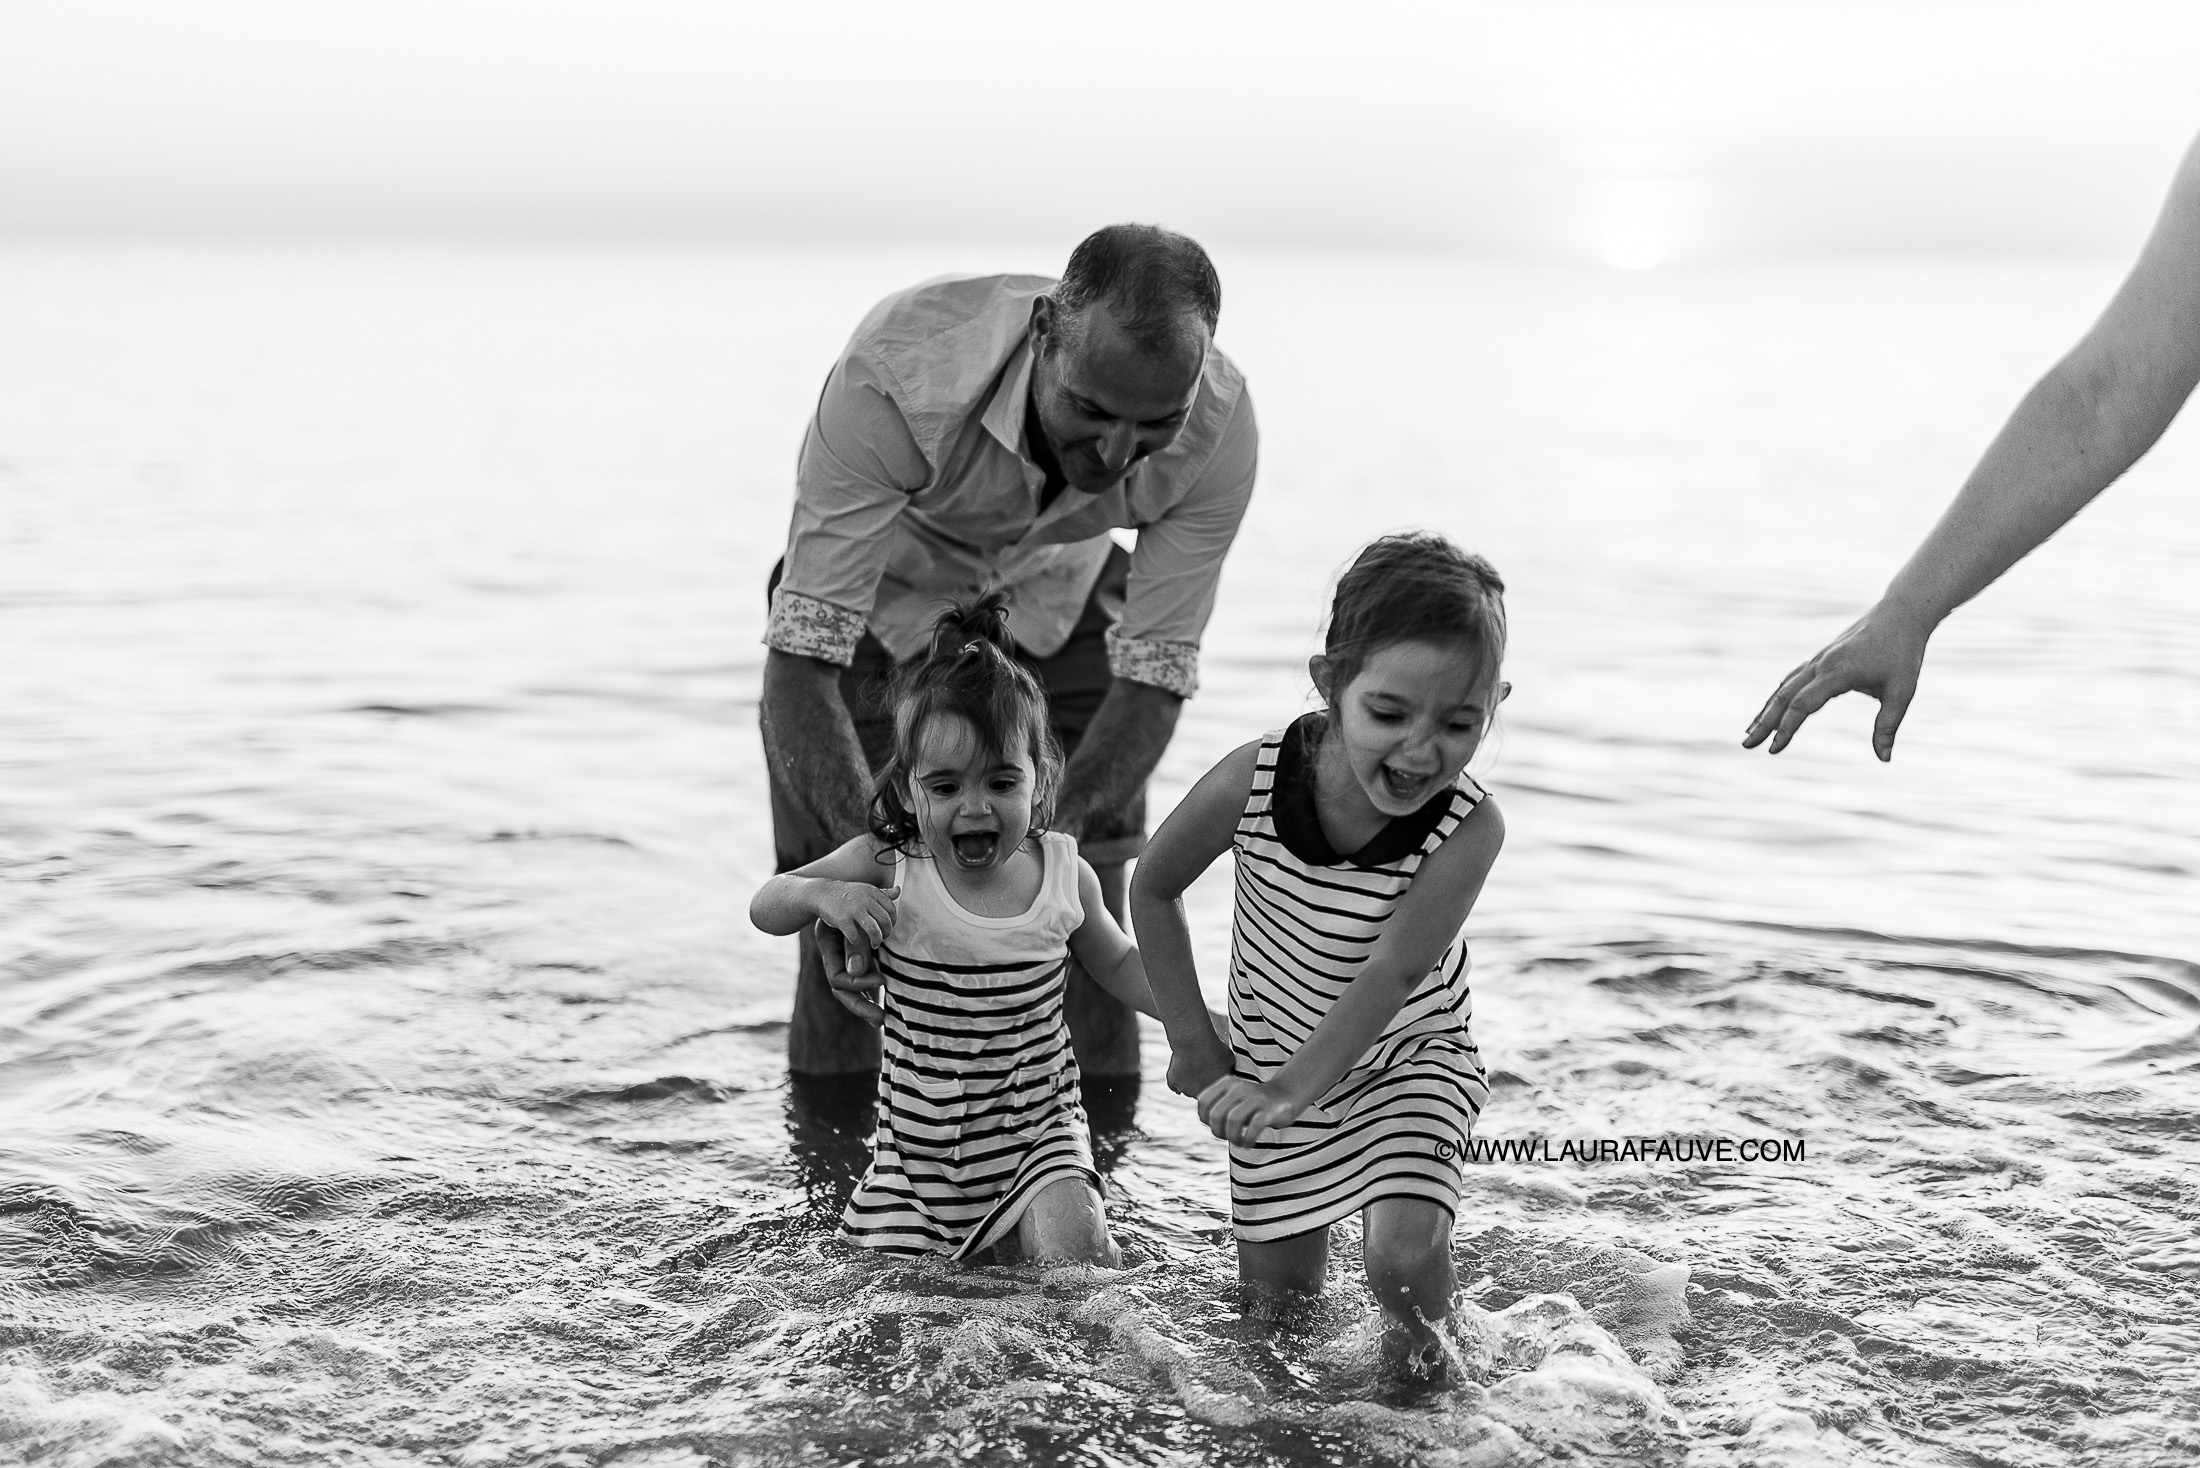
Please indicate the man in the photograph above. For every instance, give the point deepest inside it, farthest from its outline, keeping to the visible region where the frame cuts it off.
(2084, 423)
(992, 432)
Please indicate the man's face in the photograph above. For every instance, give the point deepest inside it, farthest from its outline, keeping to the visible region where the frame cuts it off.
(1105, 402)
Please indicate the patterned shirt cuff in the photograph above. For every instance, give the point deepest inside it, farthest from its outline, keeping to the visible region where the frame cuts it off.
(810, 628)
(1170, 665)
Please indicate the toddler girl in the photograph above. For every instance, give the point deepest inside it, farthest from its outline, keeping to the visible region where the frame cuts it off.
(1350, 1082)
(973, 910)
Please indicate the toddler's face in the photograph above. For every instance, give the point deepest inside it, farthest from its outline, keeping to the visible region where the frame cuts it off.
(973, 806)
(1411, 718)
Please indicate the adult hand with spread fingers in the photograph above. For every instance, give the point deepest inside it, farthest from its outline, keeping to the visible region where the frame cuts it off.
(1880, 654)
(2081, 426)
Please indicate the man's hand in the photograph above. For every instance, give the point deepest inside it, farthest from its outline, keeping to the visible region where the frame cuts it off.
(1238, 1110)
(1880, 655)
(850, 972)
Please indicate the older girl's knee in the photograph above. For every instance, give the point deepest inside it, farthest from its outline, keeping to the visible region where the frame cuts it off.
(1406, 1238)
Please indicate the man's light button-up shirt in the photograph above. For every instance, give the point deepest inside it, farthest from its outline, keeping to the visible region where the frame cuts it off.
(916, 486)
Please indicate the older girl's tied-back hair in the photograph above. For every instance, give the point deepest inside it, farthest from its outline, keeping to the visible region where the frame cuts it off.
(970, 670)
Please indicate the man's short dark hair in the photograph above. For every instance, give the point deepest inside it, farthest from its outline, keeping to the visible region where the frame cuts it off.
(1151, 279)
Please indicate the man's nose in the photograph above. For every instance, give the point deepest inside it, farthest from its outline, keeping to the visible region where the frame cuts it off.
(1118, 446)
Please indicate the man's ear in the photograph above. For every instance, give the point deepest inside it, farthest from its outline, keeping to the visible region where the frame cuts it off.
(1322, 671)
(1504, 691)
(1043, 321)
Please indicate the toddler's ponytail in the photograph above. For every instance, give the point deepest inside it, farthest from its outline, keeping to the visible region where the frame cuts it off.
(970, 670)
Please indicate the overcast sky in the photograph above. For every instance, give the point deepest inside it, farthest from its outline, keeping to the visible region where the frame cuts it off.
(1636, 131)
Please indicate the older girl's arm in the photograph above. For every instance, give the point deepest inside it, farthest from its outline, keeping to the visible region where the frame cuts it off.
(1427, 918)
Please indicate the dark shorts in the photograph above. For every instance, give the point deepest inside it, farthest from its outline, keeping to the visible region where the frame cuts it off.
(1076, 679)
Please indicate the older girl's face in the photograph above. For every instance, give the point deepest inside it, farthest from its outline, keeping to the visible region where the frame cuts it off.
(1411, 718)
(973, 805)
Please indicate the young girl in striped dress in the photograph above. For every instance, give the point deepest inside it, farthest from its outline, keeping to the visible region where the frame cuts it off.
(972, 910)
(1350, 1082)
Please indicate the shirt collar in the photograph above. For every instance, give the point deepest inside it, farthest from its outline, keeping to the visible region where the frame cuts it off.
(1004, 415)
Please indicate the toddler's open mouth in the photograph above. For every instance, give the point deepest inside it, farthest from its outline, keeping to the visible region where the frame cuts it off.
(975, 848)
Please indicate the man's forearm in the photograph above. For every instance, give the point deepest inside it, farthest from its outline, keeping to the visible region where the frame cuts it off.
(810, 740)
(1118, 752)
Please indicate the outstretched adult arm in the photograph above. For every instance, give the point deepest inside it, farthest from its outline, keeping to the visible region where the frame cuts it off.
(858, 466)
(2086, 422)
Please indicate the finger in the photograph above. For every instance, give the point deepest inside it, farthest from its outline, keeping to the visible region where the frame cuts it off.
(859, 960)
(1243, 1117)
(856, 983)
(1207, 1093)
(1893, 704)
(1783, 699)
(1245, 1125)
(1775, 706)
(1808, 700)
(1217, 1107)
(862, 1009)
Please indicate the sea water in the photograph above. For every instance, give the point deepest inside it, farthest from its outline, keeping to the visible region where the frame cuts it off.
(388, 1074)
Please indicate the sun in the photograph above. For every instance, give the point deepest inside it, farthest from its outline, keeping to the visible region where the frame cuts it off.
(1634, 247)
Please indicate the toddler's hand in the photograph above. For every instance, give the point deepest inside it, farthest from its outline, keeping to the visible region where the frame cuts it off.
(864, 914)
(1193, 1069)
(1239, 1110)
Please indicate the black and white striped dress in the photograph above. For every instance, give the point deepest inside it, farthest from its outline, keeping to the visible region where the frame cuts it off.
(978, 1101)
(1306, 920)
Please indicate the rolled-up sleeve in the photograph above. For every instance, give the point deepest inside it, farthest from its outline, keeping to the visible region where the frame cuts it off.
(1178, 564)
(858, 468)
